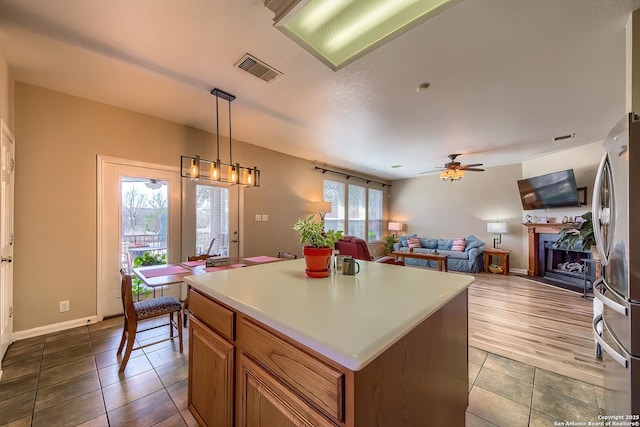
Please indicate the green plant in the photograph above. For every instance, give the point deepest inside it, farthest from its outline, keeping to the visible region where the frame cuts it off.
(583, 233)
(313, 233)
(388, 245)
(146, 259)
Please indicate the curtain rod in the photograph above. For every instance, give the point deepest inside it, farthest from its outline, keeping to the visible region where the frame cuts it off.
(348, 175)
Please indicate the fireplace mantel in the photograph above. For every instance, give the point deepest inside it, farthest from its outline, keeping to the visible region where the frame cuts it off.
(534, 230)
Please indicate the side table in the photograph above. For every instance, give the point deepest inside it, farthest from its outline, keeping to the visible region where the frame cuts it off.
(488, 253)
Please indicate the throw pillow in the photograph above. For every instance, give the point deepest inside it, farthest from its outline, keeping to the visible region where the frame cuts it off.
(403, 240)
(444, 244)
(458, 244)
(413, 242)
(428, 243)
(473, 242)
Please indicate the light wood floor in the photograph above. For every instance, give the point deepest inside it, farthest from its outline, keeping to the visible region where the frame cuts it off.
(534, 323)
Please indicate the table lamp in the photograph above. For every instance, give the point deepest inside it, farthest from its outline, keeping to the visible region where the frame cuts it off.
(497, 228)
(395, 226)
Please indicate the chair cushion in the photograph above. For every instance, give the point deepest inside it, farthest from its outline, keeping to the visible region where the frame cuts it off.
(153, 307)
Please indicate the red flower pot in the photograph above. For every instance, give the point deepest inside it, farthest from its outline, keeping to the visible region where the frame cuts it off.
(317, 260)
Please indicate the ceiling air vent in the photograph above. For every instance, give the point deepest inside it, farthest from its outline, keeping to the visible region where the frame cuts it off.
(254, 66)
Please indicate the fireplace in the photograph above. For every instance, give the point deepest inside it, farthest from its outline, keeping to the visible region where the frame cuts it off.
(559, 266)
(555, 266)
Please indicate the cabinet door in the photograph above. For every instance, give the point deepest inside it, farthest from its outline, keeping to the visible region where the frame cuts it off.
(263, 401)
(211, 390)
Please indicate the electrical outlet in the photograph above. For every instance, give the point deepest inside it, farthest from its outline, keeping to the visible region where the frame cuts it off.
(64, 306)
(265, 217)
(258, 217)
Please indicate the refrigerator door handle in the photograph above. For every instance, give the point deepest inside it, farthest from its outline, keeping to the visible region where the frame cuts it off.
(621, 359)
(606, 300)
(596, 208)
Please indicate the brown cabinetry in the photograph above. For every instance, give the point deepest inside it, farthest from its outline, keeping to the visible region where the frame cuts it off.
(263, 400)
(420, 380)
(211, 375)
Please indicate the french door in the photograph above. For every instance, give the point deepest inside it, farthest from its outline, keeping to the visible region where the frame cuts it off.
(139, 209)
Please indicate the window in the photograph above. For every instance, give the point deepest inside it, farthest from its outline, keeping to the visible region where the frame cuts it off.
(363, 213)
(374, 215)
(357, 212)
(334, 193)
(212, 220)
(144, 221)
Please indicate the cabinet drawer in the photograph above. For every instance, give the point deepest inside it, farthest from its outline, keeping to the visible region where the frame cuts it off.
(319, 384)
(215, 316)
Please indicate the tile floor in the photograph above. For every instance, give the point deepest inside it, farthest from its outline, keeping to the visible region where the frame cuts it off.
(71, 378)
(504, 392)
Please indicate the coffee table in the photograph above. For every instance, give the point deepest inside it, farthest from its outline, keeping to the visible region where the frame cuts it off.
(443, 260)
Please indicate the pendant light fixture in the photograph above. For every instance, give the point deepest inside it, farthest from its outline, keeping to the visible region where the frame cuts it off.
(215, 170)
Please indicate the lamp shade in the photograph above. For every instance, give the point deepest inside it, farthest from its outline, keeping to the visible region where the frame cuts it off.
(323, 207)
(395, 226)
(496, 227)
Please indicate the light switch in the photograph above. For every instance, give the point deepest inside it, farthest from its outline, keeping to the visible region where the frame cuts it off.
(265, 217)
(258, 217)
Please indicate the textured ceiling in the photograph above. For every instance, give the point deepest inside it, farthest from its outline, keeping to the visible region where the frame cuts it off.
(506, 76)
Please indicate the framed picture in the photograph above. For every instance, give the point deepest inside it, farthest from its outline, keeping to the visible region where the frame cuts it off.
(542, 219)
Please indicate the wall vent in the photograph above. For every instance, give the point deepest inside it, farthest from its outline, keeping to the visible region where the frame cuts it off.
(253, 65)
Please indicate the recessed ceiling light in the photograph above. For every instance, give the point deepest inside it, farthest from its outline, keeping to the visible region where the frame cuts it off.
(338, 32)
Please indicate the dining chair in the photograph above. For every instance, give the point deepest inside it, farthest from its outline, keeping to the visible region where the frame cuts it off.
(145, 309)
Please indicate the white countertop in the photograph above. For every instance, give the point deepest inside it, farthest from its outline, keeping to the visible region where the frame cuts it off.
(349, 319)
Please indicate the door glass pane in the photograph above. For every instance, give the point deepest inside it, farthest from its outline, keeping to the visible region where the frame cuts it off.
(144, 212)
(212, 220)
(357, 211)
(334, 193)
(375, 215)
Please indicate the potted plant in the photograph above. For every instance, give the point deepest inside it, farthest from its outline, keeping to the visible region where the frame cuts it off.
(580, 237)
(388, 245)
(319, 245)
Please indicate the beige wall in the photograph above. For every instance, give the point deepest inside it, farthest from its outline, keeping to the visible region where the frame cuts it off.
(58, 137)
(6, 93)
(432, 208)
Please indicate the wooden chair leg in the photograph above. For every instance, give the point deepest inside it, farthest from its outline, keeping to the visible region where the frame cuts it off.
(131, 338)
(123, 339)
(171, 324)
(180, 330)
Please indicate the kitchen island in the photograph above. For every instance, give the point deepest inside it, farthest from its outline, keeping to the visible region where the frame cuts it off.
(269, 346)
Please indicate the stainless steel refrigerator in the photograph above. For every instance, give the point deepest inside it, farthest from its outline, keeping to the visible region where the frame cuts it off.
(616, 221)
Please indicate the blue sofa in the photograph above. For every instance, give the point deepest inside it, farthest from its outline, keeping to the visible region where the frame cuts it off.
(471, 260)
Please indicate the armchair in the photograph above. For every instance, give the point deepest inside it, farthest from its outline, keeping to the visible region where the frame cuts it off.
(358, 249)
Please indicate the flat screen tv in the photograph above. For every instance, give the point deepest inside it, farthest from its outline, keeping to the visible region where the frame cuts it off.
(553, 190)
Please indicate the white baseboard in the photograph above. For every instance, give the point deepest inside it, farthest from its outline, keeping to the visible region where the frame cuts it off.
(29, 333)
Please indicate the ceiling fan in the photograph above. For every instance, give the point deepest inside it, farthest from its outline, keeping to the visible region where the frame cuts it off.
(154, 184)
(453, 171)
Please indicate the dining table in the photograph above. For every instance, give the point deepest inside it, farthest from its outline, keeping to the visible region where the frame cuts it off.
(159, 276)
